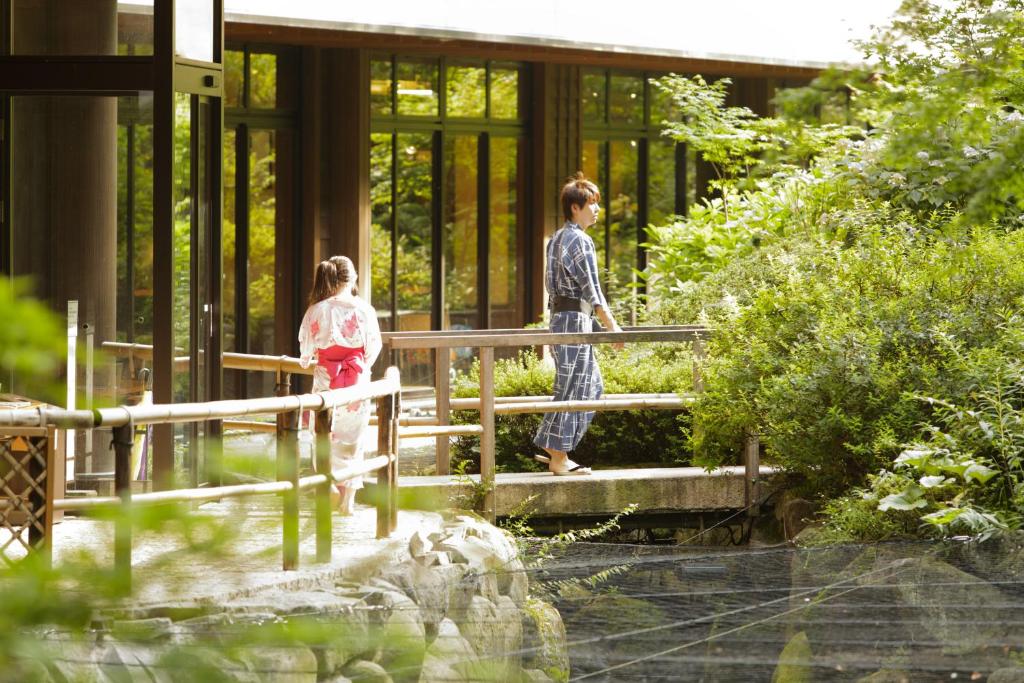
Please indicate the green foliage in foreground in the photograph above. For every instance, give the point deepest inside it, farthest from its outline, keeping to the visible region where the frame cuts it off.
(31, 343)
(866, 307)
(614, 438)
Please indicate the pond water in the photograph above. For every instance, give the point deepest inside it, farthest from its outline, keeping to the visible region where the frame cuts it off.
(914, 611)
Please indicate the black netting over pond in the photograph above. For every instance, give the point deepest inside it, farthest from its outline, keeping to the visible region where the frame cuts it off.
(915, 612)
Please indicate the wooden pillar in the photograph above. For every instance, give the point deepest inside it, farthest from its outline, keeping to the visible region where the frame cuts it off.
(752, 473)
(347, 137)
(556, 152)
(322, 454)
(163, 237)
(123, 440)
(310, 251)
(64, 169)
(442, 390)
(487, 437)
(386, 435)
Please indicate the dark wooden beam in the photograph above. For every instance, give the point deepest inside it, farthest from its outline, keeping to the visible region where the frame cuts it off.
(39, 74)
(322, 37)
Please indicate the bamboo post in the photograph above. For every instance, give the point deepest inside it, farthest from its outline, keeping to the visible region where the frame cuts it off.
(487, 422)
(393, 466)
(751, 475)
(385, 446)
(288, 470)
(442, 390)
(122, 443)
(699, 353)
(322, 457)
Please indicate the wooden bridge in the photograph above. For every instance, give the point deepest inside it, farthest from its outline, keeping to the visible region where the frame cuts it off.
(606, 492)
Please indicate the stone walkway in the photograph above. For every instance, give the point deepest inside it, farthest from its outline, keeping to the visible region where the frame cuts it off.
(232, 549)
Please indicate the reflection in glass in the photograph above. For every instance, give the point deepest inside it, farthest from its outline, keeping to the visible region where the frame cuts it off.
(193, 29)
(504, 93)
(626, 99)
(380, 227)
(592, 95)
(503, 276)
(466, 90)
(417, 88)
(262, 238)
(134, 221)
(182, 256)
(263, 80)
(234, 78)
(594, 163)
(661, 181)
(380, 87)
(622, 206)
(230, 197)
(662, 107)
(414, 213)
(461, 221)
(134, 29)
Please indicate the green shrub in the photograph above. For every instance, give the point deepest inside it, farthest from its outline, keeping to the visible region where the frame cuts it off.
(616, 439)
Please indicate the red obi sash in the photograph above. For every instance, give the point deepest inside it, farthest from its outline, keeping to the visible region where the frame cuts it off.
(342, 364)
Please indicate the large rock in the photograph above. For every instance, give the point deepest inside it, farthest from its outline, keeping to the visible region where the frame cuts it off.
(1007, 675)
(450, 658)
(367, 672)
(544, 641)
(495, 631)
(399, 634)
(295, 664)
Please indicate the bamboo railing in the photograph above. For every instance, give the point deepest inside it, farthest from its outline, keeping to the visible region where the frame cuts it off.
(288, 408)
(489, 406)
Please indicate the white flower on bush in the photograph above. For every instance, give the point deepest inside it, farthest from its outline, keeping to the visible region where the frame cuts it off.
(941, 180)
(970, 152)
(897, 179)
(1013, 117)
(730, 306)
(922, 155)
(857, 166)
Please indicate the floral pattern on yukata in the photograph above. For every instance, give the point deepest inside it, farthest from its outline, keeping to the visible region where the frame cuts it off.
(351, 323)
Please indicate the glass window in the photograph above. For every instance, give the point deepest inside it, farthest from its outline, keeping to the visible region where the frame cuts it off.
(661, 181)
(380, 87)
(230, 197)
(592, 95)
(234, 78)
(662, 107)
(417, 88)
(414, 213)
(622, 208)
(193, 29)
(504, 274)
(466, 91)
(263, 80)
(626, 99)
(380, 226)
(505, 93)
(595, 154)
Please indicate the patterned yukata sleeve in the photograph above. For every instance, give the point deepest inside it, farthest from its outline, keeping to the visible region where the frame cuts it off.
(582, 266)
(371, 335)
(307, 336)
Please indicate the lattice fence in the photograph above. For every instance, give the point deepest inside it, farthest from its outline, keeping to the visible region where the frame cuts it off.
(26, 489)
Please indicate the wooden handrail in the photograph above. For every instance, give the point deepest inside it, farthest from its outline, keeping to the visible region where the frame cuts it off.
(199, 495)
(540, 337)
(196, 412)
(229, 360)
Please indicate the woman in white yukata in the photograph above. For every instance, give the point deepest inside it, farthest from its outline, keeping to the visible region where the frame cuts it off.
(340, 331)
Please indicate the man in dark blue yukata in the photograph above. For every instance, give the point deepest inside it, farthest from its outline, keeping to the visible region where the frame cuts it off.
(574, 298)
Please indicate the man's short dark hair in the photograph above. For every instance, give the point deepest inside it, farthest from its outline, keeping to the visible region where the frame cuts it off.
(578, 191)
